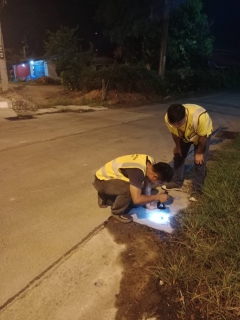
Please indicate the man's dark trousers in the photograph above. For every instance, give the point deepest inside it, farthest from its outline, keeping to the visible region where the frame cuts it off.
(199, 172)
(115, 193)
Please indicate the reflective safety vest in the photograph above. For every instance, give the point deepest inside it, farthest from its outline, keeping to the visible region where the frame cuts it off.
(193, 113)
(112, 169)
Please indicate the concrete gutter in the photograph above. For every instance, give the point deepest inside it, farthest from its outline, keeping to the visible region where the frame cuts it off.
(82, 285)
(70, 108)
(6, 110)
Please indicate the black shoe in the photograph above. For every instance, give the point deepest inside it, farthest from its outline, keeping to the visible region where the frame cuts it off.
(101, 203)
(124, 218)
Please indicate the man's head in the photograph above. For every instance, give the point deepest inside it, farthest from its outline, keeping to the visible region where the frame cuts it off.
(159, 172)
(176, 115)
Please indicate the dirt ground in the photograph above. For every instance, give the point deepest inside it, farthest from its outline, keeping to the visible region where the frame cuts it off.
(141, 294)
(38, 94)
(27, 98)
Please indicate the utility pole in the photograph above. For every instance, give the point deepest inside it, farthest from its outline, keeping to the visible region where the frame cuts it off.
(164, 38)
(3, 64)
(25, 46)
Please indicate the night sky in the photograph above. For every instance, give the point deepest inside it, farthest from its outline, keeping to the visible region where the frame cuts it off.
(225, 15)
(31, 18)
(28, 19)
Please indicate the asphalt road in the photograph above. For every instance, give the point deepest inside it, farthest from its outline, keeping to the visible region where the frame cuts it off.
(48, 203)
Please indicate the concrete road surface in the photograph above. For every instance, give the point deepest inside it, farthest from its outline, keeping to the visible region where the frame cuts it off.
(48, 203)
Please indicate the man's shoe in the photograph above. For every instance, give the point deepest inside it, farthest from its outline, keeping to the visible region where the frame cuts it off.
(171, 185)
(124, 218)
(101, 203)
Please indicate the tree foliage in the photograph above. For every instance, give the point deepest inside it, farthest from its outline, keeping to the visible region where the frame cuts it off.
(189, 40)
(136, 25)
(133, 25)
(62, 46)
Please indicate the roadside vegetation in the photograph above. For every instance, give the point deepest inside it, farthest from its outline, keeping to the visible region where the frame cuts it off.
(134, 27)
(137, 79)
(202, 261)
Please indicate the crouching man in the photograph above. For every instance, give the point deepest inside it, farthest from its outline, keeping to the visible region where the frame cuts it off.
(126, 181)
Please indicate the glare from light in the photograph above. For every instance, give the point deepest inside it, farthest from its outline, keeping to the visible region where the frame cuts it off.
(159, 217)
(23, 65)
(31, 62)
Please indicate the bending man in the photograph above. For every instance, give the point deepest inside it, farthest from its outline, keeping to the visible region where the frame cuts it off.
(126, 181)
(189, 124)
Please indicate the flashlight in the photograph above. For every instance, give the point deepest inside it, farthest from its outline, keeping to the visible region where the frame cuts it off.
(161, 205)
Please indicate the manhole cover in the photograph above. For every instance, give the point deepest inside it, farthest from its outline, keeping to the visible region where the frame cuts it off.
(228, 134)
(20, 118)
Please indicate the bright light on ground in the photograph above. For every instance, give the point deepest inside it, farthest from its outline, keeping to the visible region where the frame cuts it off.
(158, 216)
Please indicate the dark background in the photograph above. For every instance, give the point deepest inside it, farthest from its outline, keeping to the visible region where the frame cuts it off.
(28, 20)
(225, 16)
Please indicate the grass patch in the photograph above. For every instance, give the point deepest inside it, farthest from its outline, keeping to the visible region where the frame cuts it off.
(62, 101)
(203, 258)
(66, 98)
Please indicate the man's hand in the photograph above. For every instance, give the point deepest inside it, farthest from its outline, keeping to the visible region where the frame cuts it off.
(151, 205)
(139, 198)
(162, 197)
(177, 150)
(198, 158)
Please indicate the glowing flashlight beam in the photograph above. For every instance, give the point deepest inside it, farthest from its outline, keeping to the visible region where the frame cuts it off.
(159, 217)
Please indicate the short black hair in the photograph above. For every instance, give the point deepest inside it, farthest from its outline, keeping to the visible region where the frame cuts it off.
(176, 113)
(164, 171)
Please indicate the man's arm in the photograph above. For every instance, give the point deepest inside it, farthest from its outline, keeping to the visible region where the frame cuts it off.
(200, 149)
(147, 188)
(139, 198)
(177, 148)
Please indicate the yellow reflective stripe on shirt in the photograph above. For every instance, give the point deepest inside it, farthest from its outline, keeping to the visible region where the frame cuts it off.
(208, 123)
(115, 167)
(196, 115)
(104, 173)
